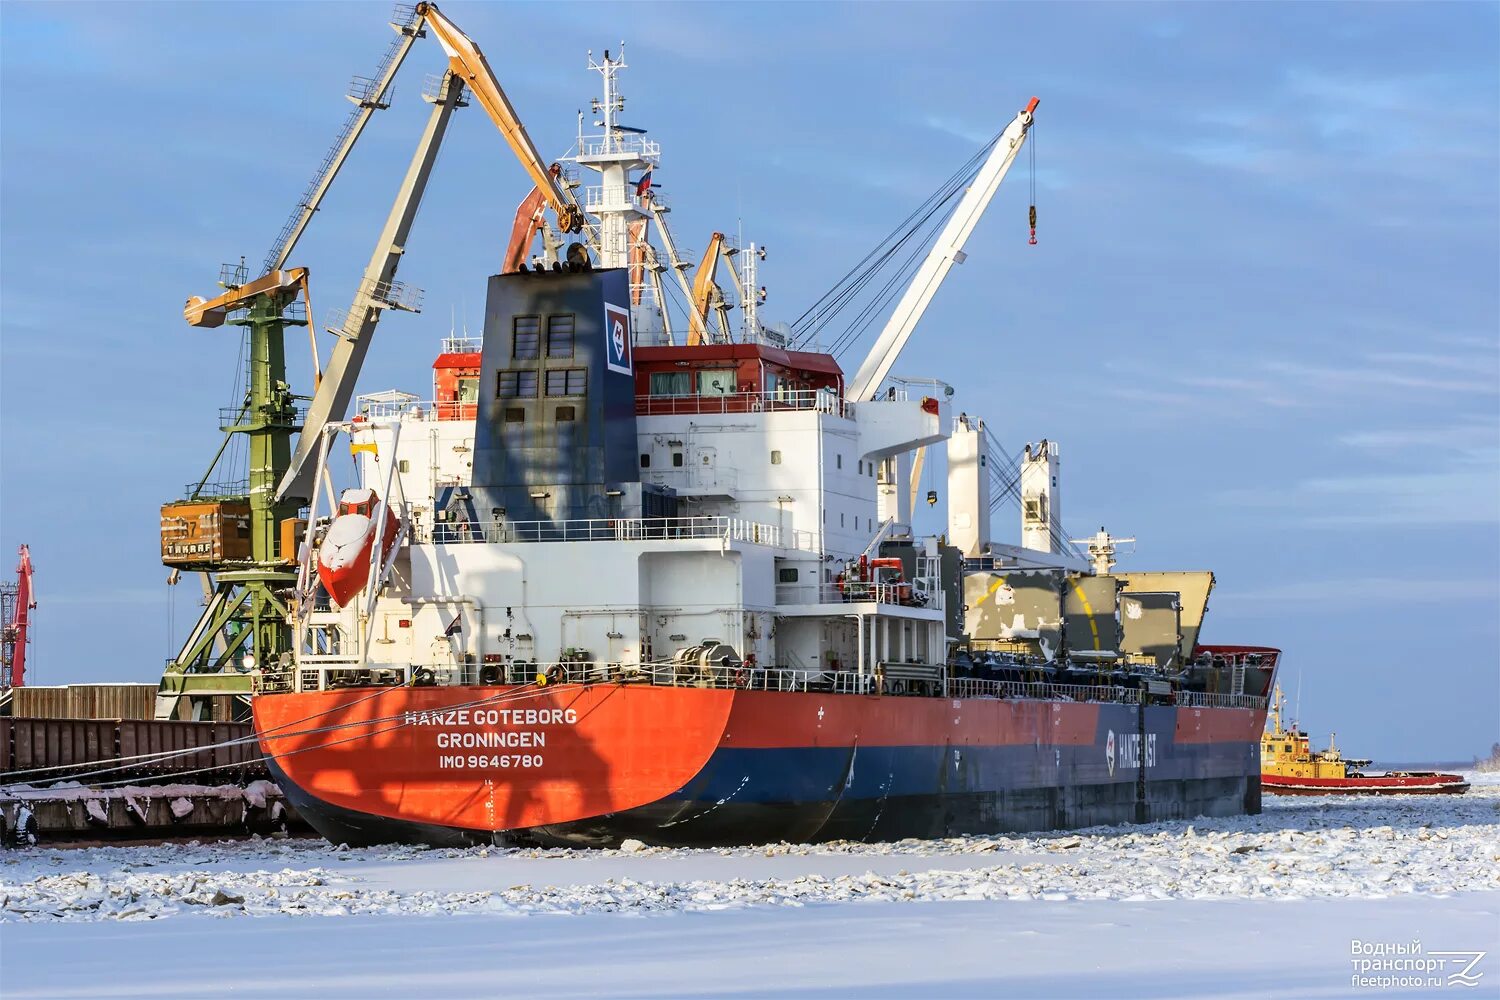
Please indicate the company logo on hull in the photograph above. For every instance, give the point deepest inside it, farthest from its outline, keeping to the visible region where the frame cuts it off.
(617, 339)
(1132, 751)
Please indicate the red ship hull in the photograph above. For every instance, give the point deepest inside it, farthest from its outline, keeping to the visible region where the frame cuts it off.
(1395, 783)
(596, 764)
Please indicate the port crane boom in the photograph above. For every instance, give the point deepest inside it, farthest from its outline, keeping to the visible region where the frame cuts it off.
(947, 251)
(17, 601)
(470, 65)
(378, 291)
(368, 95)
(212, 312)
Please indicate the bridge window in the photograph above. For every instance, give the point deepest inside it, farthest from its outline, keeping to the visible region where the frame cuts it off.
(645, 460)
(560, 336)
(514, 415)
(677, 459)
(787, 574)
(566, 413)
(526, 337)
(566, 381)
(516, 385)
(671, 383)
(716, 382)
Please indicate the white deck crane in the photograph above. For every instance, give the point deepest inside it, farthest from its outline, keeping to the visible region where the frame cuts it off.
(947, 251)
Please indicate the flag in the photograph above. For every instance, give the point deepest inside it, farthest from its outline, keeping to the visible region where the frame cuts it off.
(644, 184)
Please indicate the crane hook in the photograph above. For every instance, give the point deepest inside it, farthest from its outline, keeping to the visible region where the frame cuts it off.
(1032, 241)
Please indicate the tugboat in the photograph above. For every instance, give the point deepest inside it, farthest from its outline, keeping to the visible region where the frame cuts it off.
(1289, 766)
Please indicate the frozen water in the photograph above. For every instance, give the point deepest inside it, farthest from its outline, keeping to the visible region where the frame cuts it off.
(1091, 900)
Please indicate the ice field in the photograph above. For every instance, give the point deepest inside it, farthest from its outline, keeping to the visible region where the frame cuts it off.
(1221, 908)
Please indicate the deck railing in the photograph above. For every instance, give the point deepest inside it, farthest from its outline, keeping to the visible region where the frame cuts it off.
(320, 676)
(1202, 699)
(853, 593)
(973, 687)
(821, 400)
(622, 529)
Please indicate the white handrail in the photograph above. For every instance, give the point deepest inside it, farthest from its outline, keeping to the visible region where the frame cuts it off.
(616, 529)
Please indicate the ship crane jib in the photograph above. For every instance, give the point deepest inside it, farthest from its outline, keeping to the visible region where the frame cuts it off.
(946, 251)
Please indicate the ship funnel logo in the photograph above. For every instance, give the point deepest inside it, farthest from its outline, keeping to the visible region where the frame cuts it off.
(1109, 752)
(617, 339)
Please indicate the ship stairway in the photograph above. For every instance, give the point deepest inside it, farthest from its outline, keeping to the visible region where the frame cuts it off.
(1237, 678)
(794, 661)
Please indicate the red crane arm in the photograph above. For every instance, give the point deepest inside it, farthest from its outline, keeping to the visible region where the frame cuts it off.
(25, 602)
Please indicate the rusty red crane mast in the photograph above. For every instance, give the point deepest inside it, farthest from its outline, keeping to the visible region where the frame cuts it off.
(17, 601)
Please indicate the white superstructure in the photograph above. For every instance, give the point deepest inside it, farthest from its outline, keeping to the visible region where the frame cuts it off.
(790, 545)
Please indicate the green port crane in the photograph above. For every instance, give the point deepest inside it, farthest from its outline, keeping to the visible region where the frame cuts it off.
(243, 535)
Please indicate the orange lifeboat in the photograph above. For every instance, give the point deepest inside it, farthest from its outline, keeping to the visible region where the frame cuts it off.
(345, 555)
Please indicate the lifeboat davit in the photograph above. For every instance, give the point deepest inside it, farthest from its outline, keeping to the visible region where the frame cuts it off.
(345, 555)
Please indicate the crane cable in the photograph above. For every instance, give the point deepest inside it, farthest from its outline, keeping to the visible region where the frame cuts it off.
(875, 307)
(848, 287)
(1031, 214)
(911, 233)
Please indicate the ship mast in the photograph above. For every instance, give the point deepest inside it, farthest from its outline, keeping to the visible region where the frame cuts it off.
(616, 200)
(614, 154)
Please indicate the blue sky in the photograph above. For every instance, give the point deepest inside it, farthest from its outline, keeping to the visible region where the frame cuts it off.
(1262, 318)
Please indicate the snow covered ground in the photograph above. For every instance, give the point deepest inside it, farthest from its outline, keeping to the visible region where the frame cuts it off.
(1221, 908)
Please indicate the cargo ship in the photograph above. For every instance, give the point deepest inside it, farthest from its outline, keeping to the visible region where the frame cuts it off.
(625, 577)
(1290, 766)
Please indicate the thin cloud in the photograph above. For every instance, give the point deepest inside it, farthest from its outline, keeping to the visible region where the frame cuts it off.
(1438, 498)
(1350, 591)
(1481, 440)
(1460, 362)
(1327, 377)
